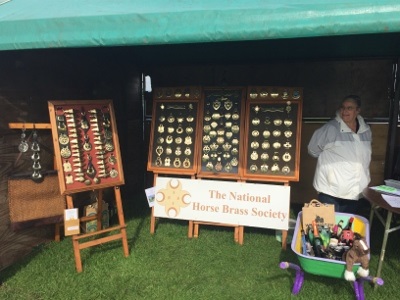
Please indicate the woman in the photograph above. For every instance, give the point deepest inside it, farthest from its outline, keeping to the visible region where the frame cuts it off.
(343, 149)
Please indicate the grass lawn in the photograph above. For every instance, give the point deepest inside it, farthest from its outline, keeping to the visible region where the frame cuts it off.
(168, 265)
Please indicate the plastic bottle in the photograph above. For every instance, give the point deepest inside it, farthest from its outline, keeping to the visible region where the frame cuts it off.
(338, 228)
(308, 237)
(349, 224)
(318, 243)
(310, 234)
(325, 236)
(303, 243)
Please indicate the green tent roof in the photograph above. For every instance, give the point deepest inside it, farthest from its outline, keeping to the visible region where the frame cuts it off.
(38, 24)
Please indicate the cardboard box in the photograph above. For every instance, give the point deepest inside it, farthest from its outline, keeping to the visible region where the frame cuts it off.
(91, 210)
(71, 222)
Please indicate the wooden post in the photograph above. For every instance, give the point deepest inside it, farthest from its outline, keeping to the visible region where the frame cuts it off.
(152, 218)
(284, 232)
(121, 219)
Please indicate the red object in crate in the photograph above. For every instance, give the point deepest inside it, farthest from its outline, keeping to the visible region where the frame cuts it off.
(347, 237)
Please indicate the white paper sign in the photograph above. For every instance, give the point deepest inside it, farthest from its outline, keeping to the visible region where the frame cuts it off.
(393, 201)
(234, 203)
(150, 192)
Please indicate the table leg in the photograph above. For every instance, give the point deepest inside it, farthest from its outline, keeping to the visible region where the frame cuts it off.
(371, 216)
(385, 237)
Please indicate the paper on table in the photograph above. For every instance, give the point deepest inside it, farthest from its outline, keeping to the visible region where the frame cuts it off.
(386, 189)
(393, 201)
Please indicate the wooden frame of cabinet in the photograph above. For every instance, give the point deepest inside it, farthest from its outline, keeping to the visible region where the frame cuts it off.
(174, 130)
(86, 145)
(88, 157)
(232, 123)
(273, 134)
(222, 133)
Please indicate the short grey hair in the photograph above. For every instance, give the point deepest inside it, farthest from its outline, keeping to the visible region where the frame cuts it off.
(353, 98)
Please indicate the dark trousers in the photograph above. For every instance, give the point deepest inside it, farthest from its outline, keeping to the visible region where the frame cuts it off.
(341, 205)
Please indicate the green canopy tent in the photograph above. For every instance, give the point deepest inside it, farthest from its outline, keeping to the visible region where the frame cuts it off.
(250, 29)
(39, 24)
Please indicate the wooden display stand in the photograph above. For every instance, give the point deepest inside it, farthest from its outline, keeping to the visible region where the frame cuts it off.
(121, 228)
(273, 121)
(88, 159)
(238, 233)
(273, 127)
(222, 104)
(39, 126)
(153, 218)
(241, 133)
(175, 124)
(238, 230)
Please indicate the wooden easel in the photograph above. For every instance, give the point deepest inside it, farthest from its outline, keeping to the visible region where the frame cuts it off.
(193, 226)
(153, 218)
(238, 233)
(121, 228)
(76, 238)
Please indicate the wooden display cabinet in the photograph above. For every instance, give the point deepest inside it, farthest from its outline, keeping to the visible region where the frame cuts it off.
(174, 142)
(86, 145)
(222, 133)
(236, 133)
(273, 134)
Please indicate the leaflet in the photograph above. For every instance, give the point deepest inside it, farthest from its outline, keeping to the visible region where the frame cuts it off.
(393, 201)
(386, 189)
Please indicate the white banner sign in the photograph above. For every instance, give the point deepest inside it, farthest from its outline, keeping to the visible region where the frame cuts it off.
(235, 203)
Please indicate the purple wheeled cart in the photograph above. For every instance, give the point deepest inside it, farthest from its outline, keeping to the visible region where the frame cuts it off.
(328, 267)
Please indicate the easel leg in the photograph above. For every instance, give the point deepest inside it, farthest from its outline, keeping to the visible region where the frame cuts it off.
(57, 235)
(152, 222)
(99, 210)
(284, 232)
(77, 253)
(152, 218)
(236, 233)
(75, 243)
(121, 220)
(241, 235)
(190, 230)
(284, 239)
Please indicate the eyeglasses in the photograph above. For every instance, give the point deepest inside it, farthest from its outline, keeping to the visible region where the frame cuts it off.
(348, 108)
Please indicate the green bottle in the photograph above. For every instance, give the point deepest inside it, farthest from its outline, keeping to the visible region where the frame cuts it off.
(318, 244)
(325, 236)
(310, 235)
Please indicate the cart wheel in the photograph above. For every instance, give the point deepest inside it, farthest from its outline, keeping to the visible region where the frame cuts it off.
(298, 282)
(359, 285)
(358, 290)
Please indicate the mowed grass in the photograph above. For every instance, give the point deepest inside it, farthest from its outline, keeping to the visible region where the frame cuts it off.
(168, 265)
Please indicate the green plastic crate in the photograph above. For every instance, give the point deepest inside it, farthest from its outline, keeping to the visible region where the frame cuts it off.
(323, 266)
